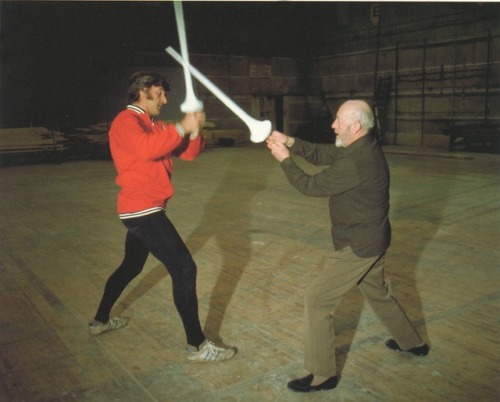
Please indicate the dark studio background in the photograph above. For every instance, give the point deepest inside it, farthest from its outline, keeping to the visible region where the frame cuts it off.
(57, 56)
(63, 65)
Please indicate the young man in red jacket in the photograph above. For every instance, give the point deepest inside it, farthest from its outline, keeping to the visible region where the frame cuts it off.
(142, 151)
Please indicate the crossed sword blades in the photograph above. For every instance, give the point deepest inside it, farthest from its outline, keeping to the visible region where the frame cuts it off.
(259, 130)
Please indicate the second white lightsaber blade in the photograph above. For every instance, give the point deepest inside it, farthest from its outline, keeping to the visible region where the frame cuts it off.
(259, 130)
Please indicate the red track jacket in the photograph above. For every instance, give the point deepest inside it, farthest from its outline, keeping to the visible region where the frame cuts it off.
(142, 152)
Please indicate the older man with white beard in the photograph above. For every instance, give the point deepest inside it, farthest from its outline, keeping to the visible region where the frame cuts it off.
(356, 180)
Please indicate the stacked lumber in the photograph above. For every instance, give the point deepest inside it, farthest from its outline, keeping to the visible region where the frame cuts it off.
(30, 139)
(96, 134)
(89, 142)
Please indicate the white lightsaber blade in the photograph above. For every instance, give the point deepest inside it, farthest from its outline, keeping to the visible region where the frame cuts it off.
(259, 130)
(191, 103)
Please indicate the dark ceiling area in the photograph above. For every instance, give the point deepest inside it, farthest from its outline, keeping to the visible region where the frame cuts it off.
(116, 29)
(54, 54)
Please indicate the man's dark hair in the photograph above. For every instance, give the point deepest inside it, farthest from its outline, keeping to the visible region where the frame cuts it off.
(142, 80)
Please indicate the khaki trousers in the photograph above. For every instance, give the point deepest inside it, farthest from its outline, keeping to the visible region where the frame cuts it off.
(325, 294)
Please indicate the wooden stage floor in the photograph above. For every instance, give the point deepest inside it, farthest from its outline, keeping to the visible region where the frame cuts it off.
(257, 243)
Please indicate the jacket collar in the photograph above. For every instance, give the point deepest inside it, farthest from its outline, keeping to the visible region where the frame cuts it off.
(136, 109)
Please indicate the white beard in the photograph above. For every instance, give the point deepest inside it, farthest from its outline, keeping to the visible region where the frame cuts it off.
(338, 142)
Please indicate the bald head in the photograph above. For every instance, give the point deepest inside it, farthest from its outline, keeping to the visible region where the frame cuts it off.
(359, 110)
(354, 120)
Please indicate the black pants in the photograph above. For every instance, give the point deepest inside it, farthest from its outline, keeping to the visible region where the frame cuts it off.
(156, 234)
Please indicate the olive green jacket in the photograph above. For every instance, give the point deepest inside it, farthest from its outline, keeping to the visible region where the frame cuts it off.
(356, 179)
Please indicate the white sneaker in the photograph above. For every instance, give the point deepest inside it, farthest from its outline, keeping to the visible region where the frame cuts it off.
(210, 353)
(111, 325)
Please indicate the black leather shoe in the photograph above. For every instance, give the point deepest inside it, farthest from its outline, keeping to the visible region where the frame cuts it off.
(304, 384)
(417, 351)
